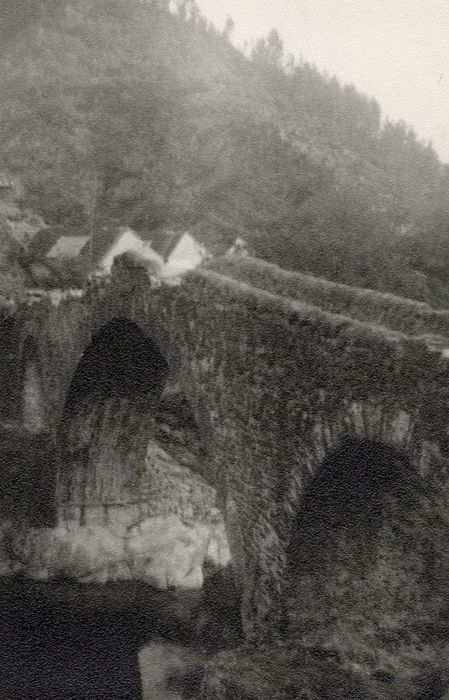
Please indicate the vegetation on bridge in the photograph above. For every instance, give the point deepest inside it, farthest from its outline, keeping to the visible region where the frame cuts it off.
(384, 309)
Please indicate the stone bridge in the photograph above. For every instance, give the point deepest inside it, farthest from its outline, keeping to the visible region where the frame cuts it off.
(322, 416)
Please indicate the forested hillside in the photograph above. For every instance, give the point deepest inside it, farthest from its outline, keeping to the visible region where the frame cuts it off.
(122, 111)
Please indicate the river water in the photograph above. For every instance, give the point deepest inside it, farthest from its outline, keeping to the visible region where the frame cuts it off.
(67, 641)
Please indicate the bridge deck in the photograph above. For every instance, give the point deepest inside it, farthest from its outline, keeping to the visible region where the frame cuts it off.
(410, 317)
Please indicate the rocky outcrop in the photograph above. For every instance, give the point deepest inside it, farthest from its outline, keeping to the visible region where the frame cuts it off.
(163, 552)
(287, 671)
(131, 503)
(170, 672)
(165, 542)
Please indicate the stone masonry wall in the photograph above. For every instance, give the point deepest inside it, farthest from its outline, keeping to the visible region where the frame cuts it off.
(276, 386)
(363, 304)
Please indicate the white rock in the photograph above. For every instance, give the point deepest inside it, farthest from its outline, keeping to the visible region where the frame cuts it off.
(218, 552)
(86, 553)
(163, 551)
(166, 552)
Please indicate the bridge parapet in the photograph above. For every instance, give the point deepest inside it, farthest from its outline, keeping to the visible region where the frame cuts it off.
(370, 306)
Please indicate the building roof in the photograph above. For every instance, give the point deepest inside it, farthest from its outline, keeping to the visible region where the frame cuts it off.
(105, 238)
(164, 241)
(52, 243)
(68, 246)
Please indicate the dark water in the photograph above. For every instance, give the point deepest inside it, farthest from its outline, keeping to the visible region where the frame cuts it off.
(67, 641)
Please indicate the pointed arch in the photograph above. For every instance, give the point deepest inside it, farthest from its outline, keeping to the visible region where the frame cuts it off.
(121, 362)
(110, 405)
(366, 562)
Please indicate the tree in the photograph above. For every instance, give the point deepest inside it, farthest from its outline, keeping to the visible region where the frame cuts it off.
(229, 27)
(336, 235)
(160, 121)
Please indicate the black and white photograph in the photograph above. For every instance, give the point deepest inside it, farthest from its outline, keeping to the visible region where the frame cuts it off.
(224, 349)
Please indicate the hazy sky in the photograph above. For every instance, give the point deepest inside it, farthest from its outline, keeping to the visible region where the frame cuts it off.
(394, 50)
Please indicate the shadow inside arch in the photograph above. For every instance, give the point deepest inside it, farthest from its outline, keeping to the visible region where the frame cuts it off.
(120, 362)
(349, 494)
(367, 561)
(110, 407)
(134, 462)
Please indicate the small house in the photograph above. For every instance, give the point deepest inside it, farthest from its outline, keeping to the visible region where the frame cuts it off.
(49, 244)
(174, 252)
(126, 241)
(178, 250)
(57, 260)
(239, 247)
(68, 247)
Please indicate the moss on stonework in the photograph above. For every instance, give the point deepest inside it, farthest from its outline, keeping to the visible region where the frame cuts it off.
(289, 672)
(363, 304)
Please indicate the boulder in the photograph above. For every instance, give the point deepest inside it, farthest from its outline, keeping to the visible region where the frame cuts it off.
(161, 551)
(167, 553)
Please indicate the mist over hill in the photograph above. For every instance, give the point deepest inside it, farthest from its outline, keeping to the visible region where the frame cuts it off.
(133, 112)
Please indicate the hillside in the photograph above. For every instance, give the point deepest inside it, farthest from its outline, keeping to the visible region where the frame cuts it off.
(120, 111)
